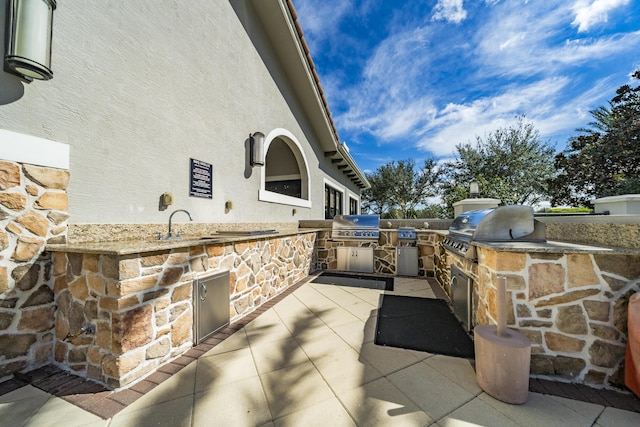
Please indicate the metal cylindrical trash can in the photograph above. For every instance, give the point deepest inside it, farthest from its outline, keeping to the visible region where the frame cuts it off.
(632, 359)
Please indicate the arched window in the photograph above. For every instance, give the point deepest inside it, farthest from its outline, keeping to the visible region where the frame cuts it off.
(285, 175)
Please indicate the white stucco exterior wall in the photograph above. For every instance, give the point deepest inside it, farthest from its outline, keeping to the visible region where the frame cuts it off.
(140, 87)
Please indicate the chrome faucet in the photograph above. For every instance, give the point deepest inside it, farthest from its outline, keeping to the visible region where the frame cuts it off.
(170, 234)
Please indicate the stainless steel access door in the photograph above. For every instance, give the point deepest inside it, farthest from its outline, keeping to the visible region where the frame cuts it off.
(211, 305)
(461, 287)
(407, 261)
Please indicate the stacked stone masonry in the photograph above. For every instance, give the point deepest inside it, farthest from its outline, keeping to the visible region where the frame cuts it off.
(142, 306)
(572, 306)
(33, 213)
(384, 251)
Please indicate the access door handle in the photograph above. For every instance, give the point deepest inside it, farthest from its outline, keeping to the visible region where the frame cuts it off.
(203, 295)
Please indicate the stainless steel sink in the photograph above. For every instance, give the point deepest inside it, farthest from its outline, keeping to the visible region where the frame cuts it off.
(238, 233)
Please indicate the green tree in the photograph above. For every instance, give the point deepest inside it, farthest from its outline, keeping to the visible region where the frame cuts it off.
(605, 159)
(398, 188)
(511, 164)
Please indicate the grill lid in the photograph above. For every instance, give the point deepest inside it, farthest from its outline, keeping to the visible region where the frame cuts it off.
(355, 227)
(501, 224)
(504, 223)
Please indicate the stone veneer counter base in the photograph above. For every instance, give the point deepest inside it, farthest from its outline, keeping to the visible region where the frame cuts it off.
(139, 295)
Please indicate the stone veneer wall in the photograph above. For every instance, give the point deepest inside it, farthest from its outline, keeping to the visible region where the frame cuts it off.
(572, 306)
(33, 212)
(384, 251)
(142, 304)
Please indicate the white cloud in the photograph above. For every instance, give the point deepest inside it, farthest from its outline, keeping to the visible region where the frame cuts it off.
(321, 19)
(449, 10)
(509, 45)
(461, 123)
(542, 103)
(592, 12)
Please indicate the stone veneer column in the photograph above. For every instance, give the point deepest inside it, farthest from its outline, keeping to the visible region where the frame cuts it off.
(33, 212)
(572, 306)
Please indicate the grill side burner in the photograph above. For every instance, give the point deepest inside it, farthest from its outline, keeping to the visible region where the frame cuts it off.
(502, 224)
(355, 227)
(407, 234)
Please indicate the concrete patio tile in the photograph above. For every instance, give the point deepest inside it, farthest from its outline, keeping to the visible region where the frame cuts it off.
(612, 417)
(294, 389)
(238, 404)
(224, 368)
(338, 294)
(313, 299)
(59, 412)
(234, 342)
(336, 316)
(177, 412)
(421, 293)
(380, 403)
(388, 359)
(335, 365)
(266, 332)
(290, 305)
(329, 413)
(413, 287)
(370, 296)
(274, 355)
(181, 384)
(21, 404)
(478, 413)
(362, 309)
(356, 333)
(546, 410)
(456, 369)
(310, 329)
(321, 343)
(434, 393)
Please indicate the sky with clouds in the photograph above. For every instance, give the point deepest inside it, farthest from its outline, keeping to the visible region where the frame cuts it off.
(413, 78)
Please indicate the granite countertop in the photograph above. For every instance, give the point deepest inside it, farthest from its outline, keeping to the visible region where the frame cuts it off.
(555, 247)
(128, 247)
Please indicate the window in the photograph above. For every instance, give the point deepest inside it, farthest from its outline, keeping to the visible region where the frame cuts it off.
(353, 206)
(332, 202)
(285, 175)
(282, 174)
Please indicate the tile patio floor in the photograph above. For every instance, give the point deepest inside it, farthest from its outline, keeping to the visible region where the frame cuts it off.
(310, 360)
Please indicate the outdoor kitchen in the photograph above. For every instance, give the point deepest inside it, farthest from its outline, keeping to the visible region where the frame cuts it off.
(568, 298)
(567, 286)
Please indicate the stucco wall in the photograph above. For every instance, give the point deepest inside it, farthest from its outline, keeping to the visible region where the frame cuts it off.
(141, 87)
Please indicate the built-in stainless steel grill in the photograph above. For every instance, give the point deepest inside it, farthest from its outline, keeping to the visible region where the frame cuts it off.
(355, 227)
(502, 224)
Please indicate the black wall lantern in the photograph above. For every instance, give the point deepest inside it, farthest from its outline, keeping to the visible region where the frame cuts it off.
(256, 148)
(29, 31)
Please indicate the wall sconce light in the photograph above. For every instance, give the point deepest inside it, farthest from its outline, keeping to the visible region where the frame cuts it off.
(256, 148)
(29, 31)
(474, 189)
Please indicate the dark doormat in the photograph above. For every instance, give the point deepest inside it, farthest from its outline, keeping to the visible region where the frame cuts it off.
(422, 324)
(355, 280)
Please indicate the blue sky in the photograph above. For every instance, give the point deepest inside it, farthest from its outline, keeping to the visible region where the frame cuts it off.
(413, 78)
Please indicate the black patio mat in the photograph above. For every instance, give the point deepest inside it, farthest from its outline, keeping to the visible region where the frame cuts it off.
(355, 280)
(422, 324)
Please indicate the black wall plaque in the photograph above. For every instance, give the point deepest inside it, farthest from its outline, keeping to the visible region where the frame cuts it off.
(201, 179)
